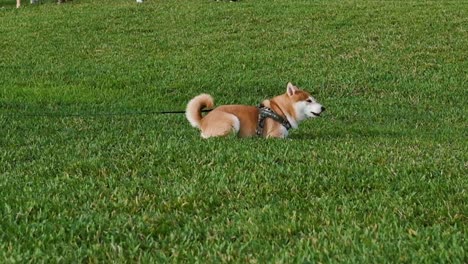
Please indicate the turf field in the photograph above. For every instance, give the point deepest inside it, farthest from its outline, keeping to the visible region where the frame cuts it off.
(90, 173)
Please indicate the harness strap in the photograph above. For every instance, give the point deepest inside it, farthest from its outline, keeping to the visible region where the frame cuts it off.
(266, 112)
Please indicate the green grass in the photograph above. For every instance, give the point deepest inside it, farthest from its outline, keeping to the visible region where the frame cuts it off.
(382, 177)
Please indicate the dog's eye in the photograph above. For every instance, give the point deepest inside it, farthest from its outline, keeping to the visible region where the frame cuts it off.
(309, 100)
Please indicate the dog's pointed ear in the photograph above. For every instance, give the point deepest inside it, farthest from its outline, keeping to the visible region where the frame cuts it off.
(291, 89)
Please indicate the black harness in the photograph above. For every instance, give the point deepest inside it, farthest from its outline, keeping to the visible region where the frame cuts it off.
(266, 112)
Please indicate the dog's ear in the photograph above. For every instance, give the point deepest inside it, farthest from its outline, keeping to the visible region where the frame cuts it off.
(291, 89)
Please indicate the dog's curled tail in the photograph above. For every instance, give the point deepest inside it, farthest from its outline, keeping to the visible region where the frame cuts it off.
(195, 106)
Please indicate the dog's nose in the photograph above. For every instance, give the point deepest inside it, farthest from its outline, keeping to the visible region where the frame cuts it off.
(322, 109)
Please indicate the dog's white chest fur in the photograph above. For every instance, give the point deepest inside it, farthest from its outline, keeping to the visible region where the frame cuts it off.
(284, 132)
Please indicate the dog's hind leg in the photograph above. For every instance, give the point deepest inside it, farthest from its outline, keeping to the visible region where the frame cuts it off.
(217, 124)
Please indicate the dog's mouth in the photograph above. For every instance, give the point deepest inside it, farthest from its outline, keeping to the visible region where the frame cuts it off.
(316, 114)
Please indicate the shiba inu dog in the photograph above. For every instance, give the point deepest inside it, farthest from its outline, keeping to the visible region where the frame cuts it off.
(272, 118)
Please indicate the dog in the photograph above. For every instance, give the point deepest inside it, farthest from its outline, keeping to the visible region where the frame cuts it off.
(272, 119)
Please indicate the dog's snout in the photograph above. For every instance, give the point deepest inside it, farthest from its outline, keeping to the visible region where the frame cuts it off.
(322, 109)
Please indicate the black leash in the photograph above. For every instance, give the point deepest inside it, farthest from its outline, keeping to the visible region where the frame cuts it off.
(180, 112)
(65, 115)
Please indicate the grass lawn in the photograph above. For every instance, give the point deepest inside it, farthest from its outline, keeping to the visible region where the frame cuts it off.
(87, 176)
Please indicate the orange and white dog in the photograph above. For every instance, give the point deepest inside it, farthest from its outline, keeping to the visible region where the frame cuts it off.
(282, 112)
